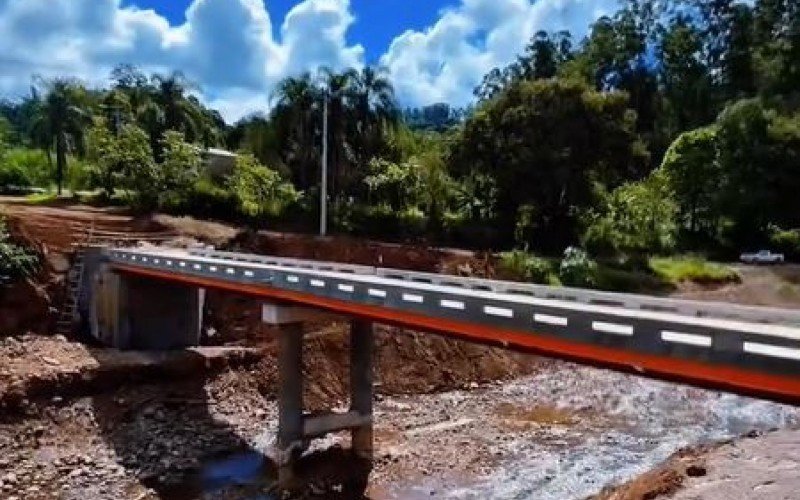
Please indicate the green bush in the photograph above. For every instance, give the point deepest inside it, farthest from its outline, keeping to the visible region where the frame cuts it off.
(383, 222)
(15, 261)
(520, 265)
(577, 269)
(692, 268)
(787, 242)
(23, 167)
(206, 199)
(259, 190)
(79, 174)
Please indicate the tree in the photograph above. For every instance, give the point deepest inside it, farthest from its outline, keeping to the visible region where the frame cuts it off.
(181, 165)
(635, 219)
(260, 190)
(179, 114)
(121, 160)
(685, 78)
(544, 55)
(60, 119)
(296, 115)
(777, 41)
(337, 89)
(692, 174)
(374, 109)
(546, 143)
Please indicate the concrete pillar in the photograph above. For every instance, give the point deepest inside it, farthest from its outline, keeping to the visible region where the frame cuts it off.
(295, 430)
(361, 345)
(290, 399)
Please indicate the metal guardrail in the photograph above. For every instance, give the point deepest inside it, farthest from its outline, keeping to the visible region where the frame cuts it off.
(766, 340)
(700, 309)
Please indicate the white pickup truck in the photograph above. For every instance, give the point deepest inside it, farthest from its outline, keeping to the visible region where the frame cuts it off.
(762, 257)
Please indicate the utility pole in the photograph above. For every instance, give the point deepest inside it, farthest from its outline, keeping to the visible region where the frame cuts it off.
(323, 194)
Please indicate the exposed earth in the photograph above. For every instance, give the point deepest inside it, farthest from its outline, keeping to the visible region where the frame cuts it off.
(452, 419)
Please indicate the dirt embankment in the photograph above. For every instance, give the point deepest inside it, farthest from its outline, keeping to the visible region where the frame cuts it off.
(755, 466)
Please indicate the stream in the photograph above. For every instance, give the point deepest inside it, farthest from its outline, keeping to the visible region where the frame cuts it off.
(563, 433)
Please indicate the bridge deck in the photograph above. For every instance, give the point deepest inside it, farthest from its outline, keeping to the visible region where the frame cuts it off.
(748, 350)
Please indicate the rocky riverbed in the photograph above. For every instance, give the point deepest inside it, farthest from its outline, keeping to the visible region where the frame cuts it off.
(563, 433)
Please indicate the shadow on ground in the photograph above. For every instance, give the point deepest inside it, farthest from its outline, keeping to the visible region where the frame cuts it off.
(172, 439)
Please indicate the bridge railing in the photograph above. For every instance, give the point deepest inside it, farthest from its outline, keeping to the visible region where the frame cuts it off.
(700, 309)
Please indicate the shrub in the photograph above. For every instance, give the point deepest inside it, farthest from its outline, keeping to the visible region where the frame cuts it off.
(635, 219)
(23, 167)
(383, 222)
(521, 265)
(577, 269)
(209, 200)
(692, 268)
(787, 242)
(15, 261)
(260, 190)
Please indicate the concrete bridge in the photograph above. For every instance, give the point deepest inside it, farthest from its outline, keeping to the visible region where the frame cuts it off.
(153, 298)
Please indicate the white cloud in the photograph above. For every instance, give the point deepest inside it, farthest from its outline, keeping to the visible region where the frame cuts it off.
(447, 60)
(227, 46)
(231, 49)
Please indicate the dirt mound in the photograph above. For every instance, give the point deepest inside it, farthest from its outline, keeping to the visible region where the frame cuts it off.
(364, 252)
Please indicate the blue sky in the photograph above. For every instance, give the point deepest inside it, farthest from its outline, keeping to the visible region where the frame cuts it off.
(377, 21)
(237, 50)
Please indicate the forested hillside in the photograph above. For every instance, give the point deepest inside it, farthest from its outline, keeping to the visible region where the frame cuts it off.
(673, 126)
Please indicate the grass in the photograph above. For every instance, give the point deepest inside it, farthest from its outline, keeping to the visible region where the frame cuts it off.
(518, 265)
(675, 270)
(41, 198)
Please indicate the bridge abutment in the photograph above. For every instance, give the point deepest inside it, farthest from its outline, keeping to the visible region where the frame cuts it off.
(296, 428)
(128, 312)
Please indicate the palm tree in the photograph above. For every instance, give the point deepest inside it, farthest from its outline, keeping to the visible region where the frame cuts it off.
(338, 90)
(180, 113)
(295, 113)
(375, 108)
(60, 120)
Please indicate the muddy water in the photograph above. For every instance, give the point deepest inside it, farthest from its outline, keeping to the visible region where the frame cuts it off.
(564, 433)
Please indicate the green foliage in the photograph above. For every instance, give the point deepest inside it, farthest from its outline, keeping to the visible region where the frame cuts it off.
(638, 218)
(786, 242)
(692, 173)
(15, 261)
(123, 161)
(394, 184)
(23, 167)
(206, 199)
(260, 190)
(40, 198)
(60, 121)
(180, 167)
(577, 269)
(523, 266)
(545, 143)
(692, 268)
(382, 221)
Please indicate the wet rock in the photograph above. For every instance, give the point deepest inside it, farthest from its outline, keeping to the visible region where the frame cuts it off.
(695, 470)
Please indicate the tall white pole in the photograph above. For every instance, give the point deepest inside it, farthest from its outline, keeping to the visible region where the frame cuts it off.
(323, 196)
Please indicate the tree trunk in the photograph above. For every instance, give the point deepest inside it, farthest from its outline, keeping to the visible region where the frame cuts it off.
(61, 160)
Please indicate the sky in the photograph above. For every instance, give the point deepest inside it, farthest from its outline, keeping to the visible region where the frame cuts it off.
(236, 51)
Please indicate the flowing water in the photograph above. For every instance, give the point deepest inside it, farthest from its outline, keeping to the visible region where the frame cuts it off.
(561, 434)
(568, 431)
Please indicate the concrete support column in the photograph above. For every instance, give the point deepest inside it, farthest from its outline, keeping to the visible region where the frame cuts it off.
(290, 398)
(361, 345)
(296, 430)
